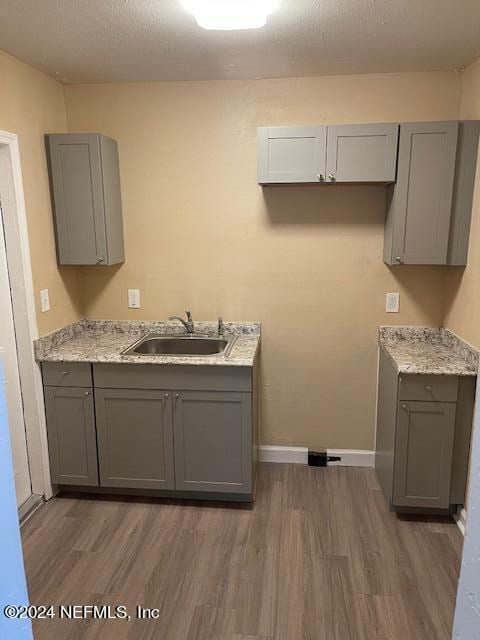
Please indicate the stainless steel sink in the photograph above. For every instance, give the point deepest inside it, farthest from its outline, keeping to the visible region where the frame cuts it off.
(188, 345)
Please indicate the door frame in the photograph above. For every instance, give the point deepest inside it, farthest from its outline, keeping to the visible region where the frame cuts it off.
(24, 312)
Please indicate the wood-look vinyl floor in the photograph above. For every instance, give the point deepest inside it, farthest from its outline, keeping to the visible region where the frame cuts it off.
(318, 557)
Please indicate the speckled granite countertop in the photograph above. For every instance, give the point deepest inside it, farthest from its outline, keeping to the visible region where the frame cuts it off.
(428, 351)
(104, 341)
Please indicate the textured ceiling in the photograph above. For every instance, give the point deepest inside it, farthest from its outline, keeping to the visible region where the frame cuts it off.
(135, 40)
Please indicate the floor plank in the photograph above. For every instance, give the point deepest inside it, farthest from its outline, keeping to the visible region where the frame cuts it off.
(317, 557)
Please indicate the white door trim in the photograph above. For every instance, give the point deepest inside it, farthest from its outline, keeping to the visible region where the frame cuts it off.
(23, 299)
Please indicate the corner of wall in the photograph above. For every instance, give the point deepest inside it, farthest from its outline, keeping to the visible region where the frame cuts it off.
(462, 306)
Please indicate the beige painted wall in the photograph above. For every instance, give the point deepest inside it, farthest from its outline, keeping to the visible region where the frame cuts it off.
(305, 261)
(30, 105)
(463, 291)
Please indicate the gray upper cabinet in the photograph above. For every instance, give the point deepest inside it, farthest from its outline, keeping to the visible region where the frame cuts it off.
(346, 153)
(362, 153)
(135, 438)
(85, 187)
(463, 188)
(420, 204)
(72, 440)
(429, 208)
(431, 166)
(291, 154)
(423, 454)
(213, 441)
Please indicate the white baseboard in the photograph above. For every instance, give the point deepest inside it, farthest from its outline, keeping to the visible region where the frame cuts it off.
(29, 507)
(299, 455)
(352, 457)
(461, 519)
(293, 455)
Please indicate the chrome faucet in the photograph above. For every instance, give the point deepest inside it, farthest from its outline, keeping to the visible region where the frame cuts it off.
(221, 326)
(188, 323)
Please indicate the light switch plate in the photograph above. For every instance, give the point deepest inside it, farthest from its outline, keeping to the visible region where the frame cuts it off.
(134, 299)
(44, 300)
(392, 303)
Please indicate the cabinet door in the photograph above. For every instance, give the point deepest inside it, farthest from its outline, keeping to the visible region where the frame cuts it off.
(423, 454)
(71, 435)
(77, 191)
(135, 438)
(213, 441)
(291, 154)
(362, 153)
(420, 208)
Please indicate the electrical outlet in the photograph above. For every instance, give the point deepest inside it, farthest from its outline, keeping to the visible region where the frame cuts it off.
(393, 303)
(44, 300)
(134, 299)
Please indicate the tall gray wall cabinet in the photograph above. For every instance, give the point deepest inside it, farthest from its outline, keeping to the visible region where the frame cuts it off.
(85, 188)
(345, 153)
(430, 206)
(423, 438)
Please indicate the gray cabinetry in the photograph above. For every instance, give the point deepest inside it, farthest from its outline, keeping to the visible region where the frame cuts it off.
(345, 153)
(423, 433)
(291, 154)
(71, 435)
(189, 431)
(362, 153)
(432, 167)
(135, 438)
(420, 203)
(429, 208)
(463, 188)
(213, 441)
(85, 186)
(423, 454)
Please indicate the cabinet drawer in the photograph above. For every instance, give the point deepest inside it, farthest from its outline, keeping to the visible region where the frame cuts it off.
(67, 374)
(152, 376)
(428, 388)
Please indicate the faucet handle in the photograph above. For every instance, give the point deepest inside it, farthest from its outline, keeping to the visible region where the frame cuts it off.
(221, 328)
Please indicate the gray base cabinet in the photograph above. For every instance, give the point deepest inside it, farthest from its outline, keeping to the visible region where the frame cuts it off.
(423, 438)
(71, 435)
(423, 454)
(135, 438)
(213, 441)
(190, 430)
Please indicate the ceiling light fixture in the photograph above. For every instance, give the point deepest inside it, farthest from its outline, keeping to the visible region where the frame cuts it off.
(229, 15)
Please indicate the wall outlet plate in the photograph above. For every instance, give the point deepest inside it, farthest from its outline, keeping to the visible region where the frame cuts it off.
(44, 300)
(134, 298)
(392, 303)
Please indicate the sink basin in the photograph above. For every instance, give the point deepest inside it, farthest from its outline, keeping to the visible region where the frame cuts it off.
(155, 345)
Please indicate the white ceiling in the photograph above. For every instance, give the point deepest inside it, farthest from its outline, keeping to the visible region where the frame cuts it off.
(135, 40)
